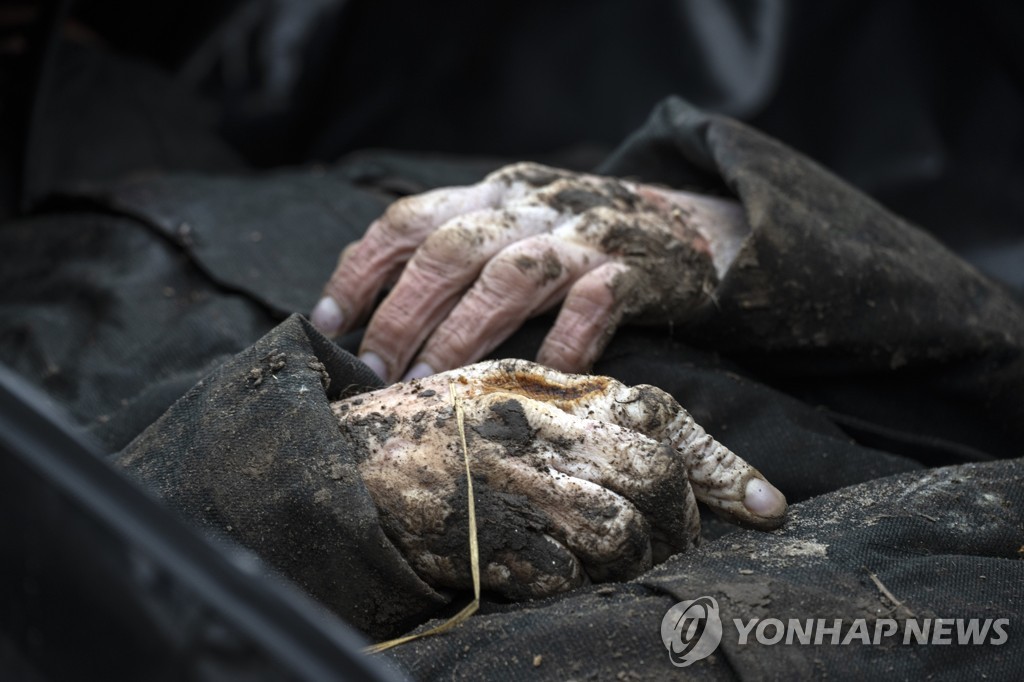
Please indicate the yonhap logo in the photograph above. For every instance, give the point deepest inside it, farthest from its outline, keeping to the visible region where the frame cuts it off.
(691, 630)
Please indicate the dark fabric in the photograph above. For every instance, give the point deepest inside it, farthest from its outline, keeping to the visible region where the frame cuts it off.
(111, 320)
(250, 454)
(838, 300)
(101, 116)
(275, 235)
(946, 543)
(920, 107)
(845, 346)
(116, 317)
(254, 452)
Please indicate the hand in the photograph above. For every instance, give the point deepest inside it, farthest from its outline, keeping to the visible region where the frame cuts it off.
(574, 477)
(473, 263)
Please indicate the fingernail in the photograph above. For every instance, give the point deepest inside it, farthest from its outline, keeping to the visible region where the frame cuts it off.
(373, 361)
(418, 371)
(764, 499)
(326, 316)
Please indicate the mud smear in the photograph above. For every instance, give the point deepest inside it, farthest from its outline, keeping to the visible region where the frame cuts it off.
(547, 269)
(510, 532)
(668, 277)
(358, 432)
(507, 426)
(551, 267)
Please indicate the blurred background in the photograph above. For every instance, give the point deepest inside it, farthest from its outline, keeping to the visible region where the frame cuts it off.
(920, 104)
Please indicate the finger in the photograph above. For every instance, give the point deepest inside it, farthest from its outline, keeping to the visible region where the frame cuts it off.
(518, 557)
(725, 482)
(587, 321)
(437, 275)
(528, 451)
(523, 280)
(604, 530)
(672, 270)
(366, 265)
(624, 461)
(720, 478)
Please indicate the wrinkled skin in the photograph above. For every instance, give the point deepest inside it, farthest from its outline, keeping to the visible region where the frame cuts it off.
(575, 477)
(471, 264)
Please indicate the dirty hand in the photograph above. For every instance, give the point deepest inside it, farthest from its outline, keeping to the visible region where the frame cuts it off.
(473, 263)
(574, 477)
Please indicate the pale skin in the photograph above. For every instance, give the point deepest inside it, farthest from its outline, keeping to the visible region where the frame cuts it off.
(470, 264)
(576, 478)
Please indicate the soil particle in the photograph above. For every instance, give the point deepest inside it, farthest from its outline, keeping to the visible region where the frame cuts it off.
(255, 377)
(443, 417)
(576, 198)
(336, 471)
(270, 365)
(319, 367)
(579, 199)
(419, 427)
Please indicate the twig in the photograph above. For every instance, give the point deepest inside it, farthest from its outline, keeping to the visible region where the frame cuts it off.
(888, 595)
(474, 549)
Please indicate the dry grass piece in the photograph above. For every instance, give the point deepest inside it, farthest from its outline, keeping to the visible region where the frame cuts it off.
(474, 550)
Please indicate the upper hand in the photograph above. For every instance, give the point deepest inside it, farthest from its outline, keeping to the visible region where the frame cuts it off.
(473, 263)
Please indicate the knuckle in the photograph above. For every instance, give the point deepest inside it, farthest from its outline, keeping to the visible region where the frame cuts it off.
(528, 172)
(507, 272)
(580, 194)
(404, 218)
(447, 246)
(563, 353)
(525, 266)
(593, 298)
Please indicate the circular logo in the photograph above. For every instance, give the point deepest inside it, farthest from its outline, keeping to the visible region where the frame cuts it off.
(691, 630)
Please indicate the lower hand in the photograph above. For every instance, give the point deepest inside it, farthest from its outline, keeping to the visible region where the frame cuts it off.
(575, 477)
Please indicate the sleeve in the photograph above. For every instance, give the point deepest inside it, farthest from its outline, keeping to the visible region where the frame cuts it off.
(838, 301)
(253, 452)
